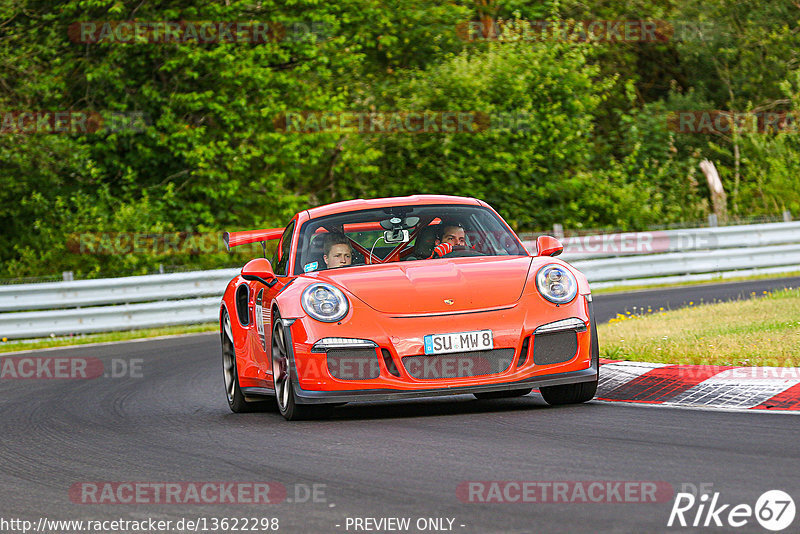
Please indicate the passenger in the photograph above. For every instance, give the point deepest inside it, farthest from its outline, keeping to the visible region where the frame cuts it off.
(337, 251)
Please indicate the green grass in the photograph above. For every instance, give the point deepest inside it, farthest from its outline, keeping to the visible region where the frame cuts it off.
(752, 332)
(14, 345)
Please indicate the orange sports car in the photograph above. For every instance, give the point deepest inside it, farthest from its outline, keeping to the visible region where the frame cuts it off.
(398, 298)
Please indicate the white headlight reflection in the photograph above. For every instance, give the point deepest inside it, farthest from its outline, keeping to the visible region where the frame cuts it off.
(324, 302)
(556, 283)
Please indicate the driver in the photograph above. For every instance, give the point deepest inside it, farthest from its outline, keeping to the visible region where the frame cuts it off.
(453, 235)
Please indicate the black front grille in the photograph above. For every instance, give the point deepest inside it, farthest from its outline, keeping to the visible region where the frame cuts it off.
(558, 347)
(459, 364)
(353, 364)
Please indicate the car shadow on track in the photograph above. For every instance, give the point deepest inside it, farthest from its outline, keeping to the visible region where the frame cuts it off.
(461, 405)
(428, 407)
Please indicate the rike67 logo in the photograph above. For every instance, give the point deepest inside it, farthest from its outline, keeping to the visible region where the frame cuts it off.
(774, 510)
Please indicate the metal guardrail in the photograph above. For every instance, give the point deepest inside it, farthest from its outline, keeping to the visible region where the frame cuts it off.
(662, 266)
(83, 306)
(109, 318)
(660, 241)
(79, 293)
(104, 305)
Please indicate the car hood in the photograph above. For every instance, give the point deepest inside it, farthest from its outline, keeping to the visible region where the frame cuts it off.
(436, 286)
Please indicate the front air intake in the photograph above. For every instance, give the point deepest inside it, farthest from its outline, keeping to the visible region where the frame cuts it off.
(353, 364)
(459, 364)
(389, 362)
(558, 347)
(523, 353)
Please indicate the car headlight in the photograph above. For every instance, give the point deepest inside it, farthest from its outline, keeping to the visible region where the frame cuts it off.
(325, 302)
(556, 283)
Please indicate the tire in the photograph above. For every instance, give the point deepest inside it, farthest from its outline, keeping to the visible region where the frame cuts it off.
(230, 373)
(569, 393)
(283, 380)
(502, 394)
(583, 391)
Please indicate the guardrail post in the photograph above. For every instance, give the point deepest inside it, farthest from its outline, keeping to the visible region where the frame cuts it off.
(787, 216)
(68, 276)
(712, 220)
(558, 231)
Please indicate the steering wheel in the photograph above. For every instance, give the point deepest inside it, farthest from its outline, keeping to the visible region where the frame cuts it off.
(460, 251)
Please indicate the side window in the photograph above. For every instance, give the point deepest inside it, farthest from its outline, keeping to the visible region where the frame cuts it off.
(280, 262)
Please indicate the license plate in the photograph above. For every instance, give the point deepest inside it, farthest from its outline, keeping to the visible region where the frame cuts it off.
(458, 342)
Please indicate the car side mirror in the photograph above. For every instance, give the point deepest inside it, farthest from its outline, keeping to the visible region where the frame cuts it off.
(548, 246)
(259, 270)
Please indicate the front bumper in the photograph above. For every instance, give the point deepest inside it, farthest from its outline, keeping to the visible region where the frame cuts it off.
(364, 395)
(514, 327)
(399, 340)
(322, 397)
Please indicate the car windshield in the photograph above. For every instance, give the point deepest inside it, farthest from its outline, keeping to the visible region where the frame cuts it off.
(402, 233)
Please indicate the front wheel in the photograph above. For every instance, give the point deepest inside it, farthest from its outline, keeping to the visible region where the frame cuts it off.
(576, 393)
(283, 382)
(569, 393)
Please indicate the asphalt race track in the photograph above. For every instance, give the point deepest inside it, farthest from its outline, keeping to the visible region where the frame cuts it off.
(163, 419)
(607, 305)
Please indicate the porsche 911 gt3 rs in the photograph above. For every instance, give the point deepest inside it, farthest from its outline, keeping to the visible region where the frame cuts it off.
(401, 298)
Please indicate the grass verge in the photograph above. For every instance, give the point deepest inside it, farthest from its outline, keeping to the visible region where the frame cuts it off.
(753, 332)
(83, 339)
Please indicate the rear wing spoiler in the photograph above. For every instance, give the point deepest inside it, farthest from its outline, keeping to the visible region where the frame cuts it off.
(234, 239)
